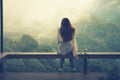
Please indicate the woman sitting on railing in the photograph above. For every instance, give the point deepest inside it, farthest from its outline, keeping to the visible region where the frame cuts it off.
(66, 43)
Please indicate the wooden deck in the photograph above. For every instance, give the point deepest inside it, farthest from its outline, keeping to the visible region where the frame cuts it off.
(49, 76)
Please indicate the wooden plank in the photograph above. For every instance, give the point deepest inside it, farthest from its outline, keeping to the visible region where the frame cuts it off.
(89, 55)
(49, 76)
(31, 55)
(1, 62)
(85, 66)
(93, 56)
(2, 55)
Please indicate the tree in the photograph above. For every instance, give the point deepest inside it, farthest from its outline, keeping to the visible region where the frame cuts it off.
(8, 45)
(28, 44)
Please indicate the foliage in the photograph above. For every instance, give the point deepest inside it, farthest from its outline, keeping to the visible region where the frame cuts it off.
(95, 65)
(28, 44)
(112, 74)
(16, 65)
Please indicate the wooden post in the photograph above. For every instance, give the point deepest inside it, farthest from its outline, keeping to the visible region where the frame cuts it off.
(85, 63)
(1, 66)
(1, 35)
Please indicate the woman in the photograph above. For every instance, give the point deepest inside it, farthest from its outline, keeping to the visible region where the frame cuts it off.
(66, 33)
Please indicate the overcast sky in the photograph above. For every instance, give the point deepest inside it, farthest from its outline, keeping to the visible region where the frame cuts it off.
(46, 14)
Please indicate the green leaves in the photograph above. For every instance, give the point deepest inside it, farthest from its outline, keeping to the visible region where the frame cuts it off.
(28, 44)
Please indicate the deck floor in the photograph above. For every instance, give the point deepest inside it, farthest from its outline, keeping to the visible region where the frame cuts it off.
(49, 76)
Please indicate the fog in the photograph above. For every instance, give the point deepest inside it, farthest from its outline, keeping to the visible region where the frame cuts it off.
(43, 17)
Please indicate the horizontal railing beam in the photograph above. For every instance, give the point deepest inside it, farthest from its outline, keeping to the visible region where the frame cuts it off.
(55, 55)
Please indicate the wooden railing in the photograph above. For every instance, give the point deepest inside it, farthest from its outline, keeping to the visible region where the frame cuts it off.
(85, 55)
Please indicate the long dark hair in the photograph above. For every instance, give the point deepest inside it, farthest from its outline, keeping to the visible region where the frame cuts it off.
(66, 30)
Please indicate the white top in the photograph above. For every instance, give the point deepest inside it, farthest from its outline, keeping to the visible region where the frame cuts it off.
(73, 42)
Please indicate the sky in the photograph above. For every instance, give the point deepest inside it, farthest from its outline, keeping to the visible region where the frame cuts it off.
(44, 16)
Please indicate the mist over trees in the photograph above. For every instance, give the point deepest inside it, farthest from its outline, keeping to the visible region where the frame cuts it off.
(98, 31)
(95, 34)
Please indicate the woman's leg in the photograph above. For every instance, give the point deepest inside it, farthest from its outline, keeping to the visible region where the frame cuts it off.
(62, 62)
(71, 60)
(72, 64)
